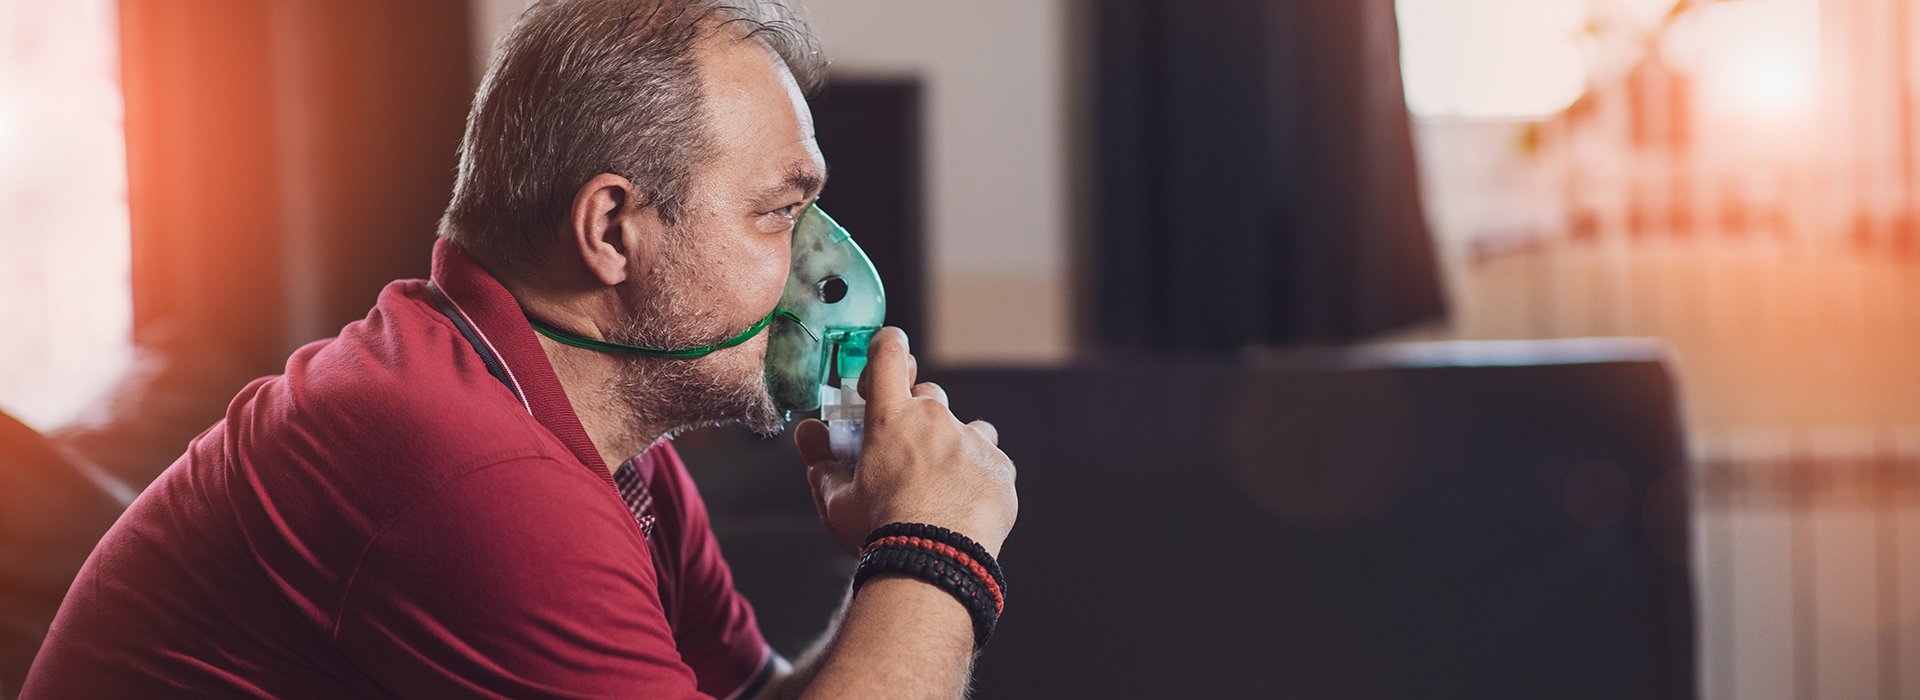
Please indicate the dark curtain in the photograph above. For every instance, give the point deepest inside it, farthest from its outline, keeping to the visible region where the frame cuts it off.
(1256, 179)
(285, 161)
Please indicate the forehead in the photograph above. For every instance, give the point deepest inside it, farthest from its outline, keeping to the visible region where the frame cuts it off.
(756, 112)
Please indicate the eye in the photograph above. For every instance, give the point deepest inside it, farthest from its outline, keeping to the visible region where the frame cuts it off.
(782, 219)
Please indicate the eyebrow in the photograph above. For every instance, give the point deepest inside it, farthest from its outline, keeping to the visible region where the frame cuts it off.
(802, 178)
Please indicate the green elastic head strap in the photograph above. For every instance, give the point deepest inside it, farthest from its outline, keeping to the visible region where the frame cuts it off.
(564, 337)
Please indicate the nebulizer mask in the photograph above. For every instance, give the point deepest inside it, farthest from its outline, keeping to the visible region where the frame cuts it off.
(832, 306)
(817, 345)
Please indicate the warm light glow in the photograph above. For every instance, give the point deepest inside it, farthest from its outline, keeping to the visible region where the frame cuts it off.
(66, 306)
(1759, 58)
(1647, 13)
(10, 136)
(1492, 58)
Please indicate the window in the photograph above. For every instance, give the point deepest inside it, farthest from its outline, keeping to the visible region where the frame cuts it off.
(65, 293)
(1491, 58)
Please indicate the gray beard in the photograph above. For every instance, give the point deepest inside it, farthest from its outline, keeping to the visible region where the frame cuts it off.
(680, 395)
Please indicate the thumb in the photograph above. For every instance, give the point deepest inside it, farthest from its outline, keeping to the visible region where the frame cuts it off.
(890, 368)
(814, 440)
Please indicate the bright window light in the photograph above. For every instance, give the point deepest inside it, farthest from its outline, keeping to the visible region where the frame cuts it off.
(1759, 57)
(1492, 58)
(66, 302)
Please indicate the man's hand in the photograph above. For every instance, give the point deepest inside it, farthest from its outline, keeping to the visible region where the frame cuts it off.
(919, 463)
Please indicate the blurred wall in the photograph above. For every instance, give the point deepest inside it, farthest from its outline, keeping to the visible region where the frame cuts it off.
(998, 187)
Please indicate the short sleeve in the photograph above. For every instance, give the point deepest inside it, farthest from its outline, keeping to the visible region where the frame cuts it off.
(714, 624)
(525, 578)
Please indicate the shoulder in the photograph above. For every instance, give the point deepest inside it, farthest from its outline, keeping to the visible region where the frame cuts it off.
(363, 424)
(399, 386)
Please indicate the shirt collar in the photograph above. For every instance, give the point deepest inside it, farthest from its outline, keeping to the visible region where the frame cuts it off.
(502, 327)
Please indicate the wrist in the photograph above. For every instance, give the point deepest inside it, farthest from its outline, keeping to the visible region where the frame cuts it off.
(952, 562)
(989, 538)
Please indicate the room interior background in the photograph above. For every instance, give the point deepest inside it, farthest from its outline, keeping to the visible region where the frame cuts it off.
(191, 191)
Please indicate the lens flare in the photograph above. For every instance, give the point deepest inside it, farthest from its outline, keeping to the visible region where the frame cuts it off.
(1760, 58)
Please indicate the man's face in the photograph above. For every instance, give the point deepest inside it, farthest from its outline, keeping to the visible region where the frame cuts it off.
(723, 267)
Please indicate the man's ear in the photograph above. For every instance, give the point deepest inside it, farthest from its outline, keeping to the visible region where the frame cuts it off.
(606, 227)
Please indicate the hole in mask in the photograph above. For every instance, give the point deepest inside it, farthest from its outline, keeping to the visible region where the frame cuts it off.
(833, 289)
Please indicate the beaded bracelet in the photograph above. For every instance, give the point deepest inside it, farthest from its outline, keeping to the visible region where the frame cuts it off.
(960, 559)
(955, 564)
(951, 538)
(939, 571)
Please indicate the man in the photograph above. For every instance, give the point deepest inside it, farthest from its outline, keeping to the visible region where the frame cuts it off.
(440, 502)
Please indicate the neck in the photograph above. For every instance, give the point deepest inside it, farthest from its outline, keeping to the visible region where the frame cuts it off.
(597, 388)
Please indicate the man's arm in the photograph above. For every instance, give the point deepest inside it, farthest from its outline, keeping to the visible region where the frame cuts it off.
(897, 606)
(898, 636)
(902, 638)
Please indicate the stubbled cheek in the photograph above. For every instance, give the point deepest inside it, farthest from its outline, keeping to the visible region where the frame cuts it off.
(755, 279)
(749, 274)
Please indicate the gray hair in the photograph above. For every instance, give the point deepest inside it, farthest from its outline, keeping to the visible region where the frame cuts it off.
(583, 87)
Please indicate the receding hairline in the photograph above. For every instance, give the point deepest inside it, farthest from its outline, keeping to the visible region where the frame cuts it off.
(808, 75)
(509, 177)
(805, 175)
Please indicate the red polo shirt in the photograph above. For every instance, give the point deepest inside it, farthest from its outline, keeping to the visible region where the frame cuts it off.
(412, 509)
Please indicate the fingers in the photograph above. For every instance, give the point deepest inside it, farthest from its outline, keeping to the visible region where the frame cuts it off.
(814, 441)
(930, 390)
(987, 431)
(890, 368)
(817, 483)
(816, 448)
(864, 385)
(827, 476)
(830, 481)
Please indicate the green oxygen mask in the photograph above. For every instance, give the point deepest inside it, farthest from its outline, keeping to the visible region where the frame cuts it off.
(817, 348)
(832, 305)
